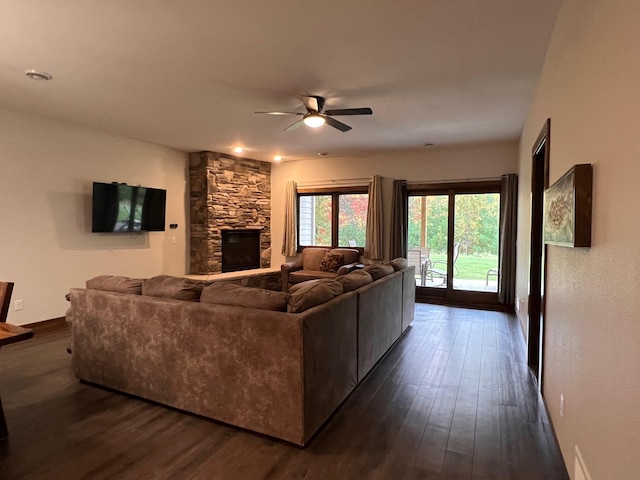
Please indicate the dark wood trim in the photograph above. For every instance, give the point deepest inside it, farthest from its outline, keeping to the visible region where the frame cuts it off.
(334, 193)
(330, 190)
(482, 186)
(536, 307)
(6, 289)
(448, 295)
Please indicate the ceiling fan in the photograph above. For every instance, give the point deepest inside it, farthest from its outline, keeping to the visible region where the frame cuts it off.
(316, 116)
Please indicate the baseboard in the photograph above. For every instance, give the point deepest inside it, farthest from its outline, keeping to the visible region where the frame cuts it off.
(47, 326)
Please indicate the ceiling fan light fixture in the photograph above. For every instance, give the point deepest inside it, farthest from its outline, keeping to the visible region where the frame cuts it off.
(313, 120)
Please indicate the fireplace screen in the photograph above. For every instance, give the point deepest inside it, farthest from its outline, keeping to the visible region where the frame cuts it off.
(240, 250)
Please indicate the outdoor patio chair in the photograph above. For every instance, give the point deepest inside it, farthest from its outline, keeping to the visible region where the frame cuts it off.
(435, 270)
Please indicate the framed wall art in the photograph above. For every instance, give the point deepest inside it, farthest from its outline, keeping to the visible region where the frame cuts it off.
(567, 208)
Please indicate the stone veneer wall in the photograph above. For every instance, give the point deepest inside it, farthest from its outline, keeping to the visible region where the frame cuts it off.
(227, 192)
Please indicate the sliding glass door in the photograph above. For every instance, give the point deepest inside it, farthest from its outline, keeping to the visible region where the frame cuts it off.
(453, 239)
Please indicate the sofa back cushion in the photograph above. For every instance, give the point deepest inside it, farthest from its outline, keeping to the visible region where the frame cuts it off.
(312, 258)
(354, 280)
(351, 255)
(224, 293)
(114, 283)
(312, 294)
(399, 263)
(378, 271)
(177, 288)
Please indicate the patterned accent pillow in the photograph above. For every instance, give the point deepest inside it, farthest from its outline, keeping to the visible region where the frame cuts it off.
(331, 262)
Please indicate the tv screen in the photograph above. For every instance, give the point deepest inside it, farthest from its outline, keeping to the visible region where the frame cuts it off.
(118, 207)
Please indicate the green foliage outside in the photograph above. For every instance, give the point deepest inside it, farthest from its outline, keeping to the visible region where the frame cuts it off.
(352, 219)
(476, 223)
(323, 220)
(470, 267)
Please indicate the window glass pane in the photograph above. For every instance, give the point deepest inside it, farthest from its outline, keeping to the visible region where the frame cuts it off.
(477, 233)
(352, 219)
(427, 238)
(315, 220)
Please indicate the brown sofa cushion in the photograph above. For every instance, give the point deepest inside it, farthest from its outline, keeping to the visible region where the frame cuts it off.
(113, 283)
(306, 283)
(172, 287)
(378, 271)
(399, 263)
(313, 294)
(354, 280)
(331, 262)
(351, 255)
(224, 293)
(312, 258)
(304, 275)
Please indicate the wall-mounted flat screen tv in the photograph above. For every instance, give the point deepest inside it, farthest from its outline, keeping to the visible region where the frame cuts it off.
(118, 207)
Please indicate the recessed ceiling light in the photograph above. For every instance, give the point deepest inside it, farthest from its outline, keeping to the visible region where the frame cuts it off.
(277, 158)
(36, 75)
(238, 149)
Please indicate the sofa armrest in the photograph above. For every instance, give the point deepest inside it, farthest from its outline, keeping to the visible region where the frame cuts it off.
(285, 269)
(348, 268)
(291, 266)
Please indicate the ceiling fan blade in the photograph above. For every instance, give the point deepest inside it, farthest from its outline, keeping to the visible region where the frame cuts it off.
(343, 127)
(281, 113)
(350, 111)
(294, 126)
(313, 103)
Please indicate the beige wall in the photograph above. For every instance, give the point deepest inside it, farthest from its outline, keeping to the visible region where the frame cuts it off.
(429, 165)
(590, 88)
(46, 174)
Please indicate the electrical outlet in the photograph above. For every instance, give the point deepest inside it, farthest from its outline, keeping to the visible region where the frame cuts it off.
(173, 239)
(562, 405)
(18, 304)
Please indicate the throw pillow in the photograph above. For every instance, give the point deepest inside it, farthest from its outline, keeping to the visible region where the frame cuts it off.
(114, 283)
(313, 294)
(399, 263)
(177, 288)
(378, 271)
(224, 293)
(354, 280)
(331, 262)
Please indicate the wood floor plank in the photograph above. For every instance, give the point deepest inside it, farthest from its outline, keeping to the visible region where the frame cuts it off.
(454, 399)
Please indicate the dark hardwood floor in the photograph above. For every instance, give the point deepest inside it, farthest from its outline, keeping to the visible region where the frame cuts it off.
(453, 400)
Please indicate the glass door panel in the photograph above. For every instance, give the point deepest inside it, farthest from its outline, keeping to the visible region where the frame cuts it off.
(476, 242)
(428, 238)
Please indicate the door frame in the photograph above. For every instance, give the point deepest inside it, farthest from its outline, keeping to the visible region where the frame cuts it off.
(538, 253)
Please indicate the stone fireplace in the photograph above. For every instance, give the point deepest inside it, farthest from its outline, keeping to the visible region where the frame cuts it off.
(228, 193)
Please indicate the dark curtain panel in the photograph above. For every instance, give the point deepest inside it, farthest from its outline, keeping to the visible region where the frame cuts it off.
(508, 229)
(399, 220)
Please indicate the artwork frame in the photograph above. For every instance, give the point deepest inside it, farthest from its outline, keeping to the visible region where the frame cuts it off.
(567, 208)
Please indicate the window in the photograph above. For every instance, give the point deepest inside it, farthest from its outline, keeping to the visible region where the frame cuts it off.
(332, 218)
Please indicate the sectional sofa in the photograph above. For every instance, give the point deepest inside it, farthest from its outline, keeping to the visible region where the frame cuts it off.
(268, 361)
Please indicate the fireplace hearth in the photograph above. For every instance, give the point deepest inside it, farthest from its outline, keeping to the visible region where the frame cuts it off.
(240, 250)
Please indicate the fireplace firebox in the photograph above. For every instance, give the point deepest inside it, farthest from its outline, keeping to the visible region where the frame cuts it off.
(240, 250)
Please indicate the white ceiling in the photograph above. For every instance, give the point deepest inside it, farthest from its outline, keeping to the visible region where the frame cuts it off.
(189, 74)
